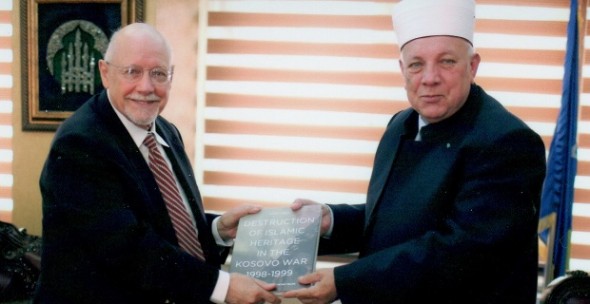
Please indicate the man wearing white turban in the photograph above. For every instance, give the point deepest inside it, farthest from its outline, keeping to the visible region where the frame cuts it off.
(452, 207)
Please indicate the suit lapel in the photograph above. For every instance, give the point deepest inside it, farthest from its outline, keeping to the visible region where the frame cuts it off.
(384, 158)
(184, 173)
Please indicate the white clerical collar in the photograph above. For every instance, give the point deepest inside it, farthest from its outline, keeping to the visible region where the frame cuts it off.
(421, 123)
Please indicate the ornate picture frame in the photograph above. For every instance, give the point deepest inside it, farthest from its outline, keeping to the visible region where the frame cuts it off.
(61, 42)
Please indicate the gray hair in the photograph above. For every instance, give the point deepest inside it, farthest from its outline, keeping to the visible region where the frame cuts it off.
(135, 29)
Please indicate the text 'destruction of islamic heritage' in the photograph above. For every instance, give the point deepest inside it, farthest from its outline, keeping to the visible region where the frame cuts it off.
(277, 245)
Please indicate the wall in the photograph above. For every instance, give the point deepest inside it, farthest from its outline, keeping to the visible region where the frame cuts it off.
(29, 149)
(174, 19)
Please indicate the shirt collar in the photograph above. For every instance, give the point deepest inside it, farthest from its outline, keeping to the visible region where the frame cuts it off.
(137, 134)
(421, 123)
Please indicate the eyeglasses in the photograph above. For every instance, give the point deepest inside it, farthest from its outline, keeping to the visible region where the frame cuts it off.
(134, 73)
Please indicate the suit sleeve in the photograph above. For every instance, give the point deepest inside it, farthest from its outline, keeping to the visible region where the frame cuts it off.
(97, 213)
(494, 214)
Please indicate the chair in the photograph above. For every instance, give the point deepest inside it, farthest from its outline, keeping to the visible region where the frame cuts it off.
(20, 263)
(547, 224)
(572, 288)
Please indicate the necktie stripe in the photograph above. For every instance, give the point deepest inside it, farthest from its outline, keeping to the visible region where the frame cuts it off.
(176, 209)
(183, 226)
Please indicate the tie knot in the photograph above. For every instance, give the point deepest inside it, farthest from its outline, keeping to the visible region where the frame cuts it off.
(150, 141)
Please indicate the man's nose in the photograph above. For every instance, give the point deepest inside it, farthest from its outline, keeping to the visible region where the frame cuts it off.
(145, 83)
(431, 74)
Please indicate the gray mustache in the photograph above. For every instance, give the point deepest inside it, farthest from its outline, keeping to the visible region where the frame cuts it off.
(151, 97)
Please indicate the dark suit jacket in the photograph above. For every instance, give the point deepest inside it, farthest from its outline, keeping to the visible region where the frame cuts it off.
(450, 219)
(107, 237)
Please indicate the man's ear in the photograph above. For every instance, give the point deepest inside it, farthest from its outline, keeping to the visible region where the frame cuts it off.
(474, 64)
(103, 68)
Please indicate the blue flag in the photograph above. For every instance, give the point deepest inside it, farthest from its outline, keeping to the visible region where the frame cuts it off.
(558, 189)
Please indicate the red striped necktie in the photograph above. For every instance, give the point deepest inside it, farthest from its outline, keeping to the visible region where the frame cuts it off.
(185, 231)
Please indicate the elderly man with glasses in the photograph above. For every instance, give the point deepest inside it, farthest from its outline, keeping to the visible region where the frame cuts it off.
(123, 220)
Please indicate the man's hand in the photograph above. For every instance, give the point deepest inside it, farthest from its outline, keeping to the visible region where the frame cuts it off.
(246, 290)
(227, 226)
(326, 213)
(323, 292)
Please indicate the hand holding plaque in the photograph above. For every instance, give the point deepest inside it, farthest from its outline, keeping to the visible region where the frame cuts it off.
(277, 245)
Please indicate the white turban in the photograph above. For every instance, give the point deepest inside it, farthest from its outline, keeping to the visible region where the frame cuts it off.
(422, 18)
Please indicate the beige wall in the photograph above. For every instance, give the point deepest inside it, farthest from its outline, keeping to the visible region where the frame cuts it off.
(174, 19)
(29, 148)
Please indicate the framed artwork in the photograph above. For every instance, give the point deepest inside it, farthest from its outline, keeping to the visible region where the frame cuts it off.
(61, 42)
